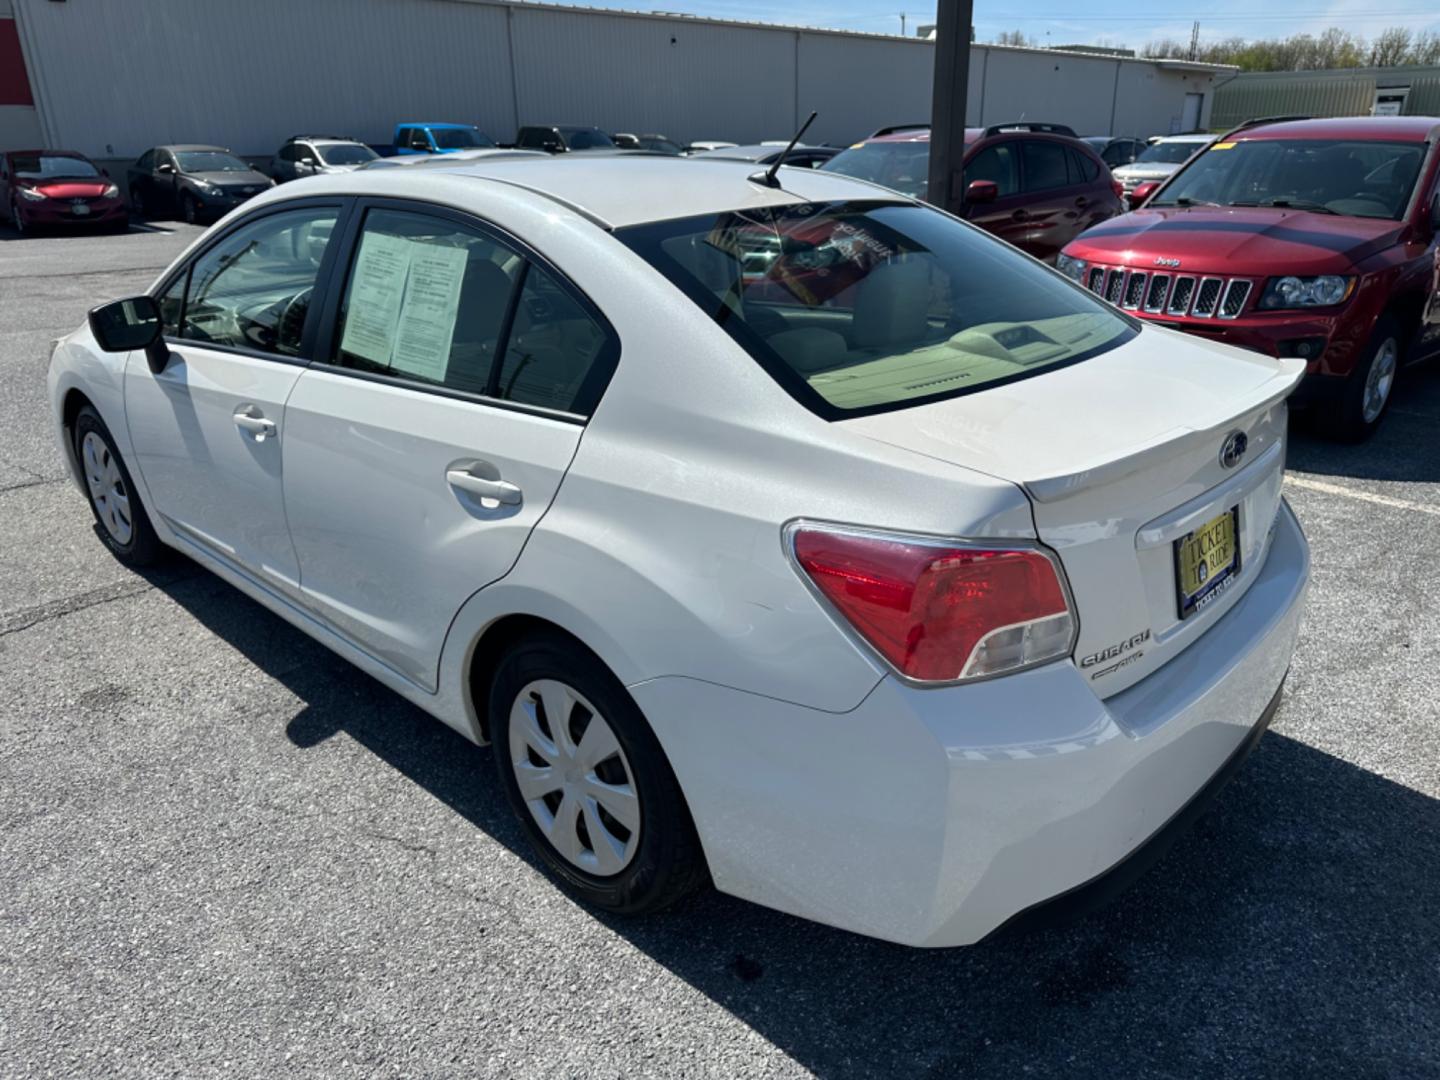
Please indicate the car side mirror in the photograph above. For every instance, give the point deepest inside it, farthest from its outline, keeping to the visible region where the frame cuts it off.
(982, 191)
(166, 168)
(1142, 192)
(133, 323)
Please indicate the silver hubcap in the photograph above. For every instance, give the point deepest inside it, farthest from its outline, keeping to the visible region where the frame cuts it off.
(574, 777)
(1380, 379)
(107, 487)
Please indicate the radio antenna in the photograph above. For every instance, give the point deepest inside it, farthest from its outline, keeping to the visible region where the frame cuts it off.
(768, 176)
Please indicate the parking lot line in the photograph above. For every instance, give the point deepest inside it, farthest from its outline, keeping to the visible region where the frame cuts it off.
(1307, 484)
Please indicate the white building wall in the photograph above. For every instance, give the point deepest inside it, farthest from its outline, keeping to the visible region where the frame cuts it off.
(113, 77)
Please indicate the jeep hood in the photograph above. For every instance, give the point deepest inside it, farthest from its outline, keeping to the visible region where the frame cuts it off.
(1237, 241)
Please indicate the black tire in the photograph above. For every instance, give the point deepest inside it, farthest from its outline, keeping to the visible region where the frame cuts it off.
(1350, 417)
(188, 210)
(667, 862)
(142, 547)
(16, 219)
(137, 202)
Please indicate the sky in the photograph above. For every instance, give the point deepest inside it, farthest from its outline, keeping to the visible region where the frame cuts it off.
(1070, 22)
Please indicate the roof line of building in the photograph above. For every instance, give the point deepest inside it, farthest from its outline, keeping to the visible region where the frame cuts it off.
(683, 19)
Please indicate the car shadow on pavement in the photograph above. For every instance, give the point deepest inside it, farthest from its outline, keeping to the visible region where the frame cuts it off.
(1293, 932)
(1404, 449)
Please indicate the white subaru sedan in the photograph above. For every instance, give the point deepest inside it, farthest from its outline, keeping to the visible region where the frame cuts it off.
(799, 536)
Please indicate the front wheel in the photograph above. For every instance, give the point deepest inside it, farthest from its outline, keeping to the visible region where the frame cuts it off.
(1361, 405)
(123, 524)
(137, 202)
(588, 780)
(190, 210)
(16, 217)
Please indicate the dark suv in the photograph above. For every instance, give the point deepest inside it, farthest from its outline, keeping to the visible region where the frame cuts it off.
(1316, 239)
(562, 139)
(1035, 185)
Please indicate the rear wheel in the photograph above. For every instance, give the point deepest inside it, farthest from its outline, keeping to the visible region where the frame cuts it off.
(588, 780)
(123, 524)
(1361, 404)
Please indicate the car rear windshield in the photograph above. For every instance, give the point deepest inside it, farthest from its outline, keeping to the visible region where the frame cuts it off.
(52, 167)
(198, 161)
(1355, 178)
(586, 139)
(865, 307)
(900, 166)
(1167, 153)
(347, 154)
(460, 138)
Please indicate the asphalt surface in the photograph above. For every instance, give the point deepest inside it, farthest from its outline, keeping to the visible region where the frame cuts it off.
(223, 851)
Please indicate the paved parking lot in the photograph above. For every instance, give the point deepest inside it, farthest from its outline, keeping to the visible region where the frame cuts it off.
(224, 851)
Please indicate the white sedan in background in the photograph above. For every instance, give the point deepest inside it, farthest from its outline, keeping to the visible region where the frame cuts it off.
(796, 535)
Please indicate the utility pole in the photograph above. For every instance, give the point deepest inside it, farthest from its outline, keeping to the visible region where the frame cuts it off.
(902, 24)
(1195, 41)
(953, 32)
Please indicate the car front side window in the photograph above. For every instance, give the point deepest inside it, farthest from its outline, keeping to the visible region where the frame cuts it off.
(996, 163)
(252, 289)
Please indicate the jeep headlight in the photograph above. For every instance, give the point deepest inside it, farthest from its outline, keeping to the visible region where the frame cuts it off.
(1297, 292)
(1071, 267)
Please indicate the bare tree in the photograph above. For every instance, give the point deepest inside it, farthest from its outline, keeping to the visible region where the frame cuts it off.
(1013, 37)
(1390, 48)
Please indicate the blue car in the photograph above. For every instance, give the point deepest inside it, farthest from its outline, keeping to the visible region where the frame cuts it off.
(423, 137)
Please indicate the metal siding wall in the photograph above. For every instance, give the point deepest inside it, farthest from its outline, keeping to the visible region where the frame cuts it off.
(1246, 97)
(1424, 97)
(1049, 87)
(113, 77)
(860, 84)
(623, 73)
(117, 77)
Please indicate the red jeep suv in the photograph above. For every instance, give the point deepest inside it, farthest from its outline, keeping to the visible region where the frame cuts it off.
(1317, 239)
(1035, 185)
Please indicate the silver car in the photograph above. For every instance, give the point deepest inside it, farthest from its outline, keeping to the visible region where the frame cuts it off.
(316, 155)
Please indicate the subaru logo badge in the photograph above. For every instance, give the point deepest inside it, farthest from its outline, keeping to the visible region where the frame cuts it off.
(1233, 449)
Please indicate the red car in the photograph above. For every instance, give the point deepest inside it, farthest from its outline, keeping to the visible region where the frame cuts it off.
(40, 188)
(1300, 238)
(1035, 185)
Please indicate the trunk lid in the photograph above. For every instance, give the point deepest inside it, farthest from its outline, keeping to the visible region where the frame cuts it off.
(1121, 456)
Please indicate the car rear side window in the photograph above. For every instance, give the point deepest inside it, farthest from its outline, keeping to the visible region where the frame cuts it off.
(1045, 165)
(430, 300)
(252, 289)
(863, 307)
(1083, 168)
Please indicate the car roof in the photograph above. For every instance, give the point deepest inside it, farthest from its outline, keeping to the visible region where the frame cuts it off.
(191, 146)
(432, 124)
(1392, 128)
(1201, 137)
(923, 135)
(620, 190)
(45, 153)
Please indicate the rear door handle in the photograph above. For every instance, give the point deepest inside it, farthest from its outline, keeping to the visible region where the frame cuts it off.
(1082, 202)
(1020, 215)
(465, 479)
(249, 418)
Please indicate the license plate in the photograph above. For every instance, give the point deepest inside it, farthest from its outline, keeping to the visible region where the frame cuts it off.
(1206, 561)
(80, 209)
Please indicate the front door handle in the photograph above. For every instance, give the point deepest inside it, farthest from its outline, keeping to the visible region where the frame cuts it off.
(249, 418)
(1020, 215)
(502, 491)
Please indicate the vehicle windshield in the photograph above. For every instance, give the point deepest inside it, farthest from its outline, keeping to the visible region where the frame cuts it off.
(864, 307)
(52, 167)
(901, 166)
(347, 154)
(586, 139)
(1356, 178)
(460, 138)
(1167, 153)
(198, 161)
(663, 146)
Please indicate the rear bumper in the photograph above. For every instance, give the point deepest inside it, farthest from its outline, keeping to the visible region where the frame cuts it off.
(933, 817)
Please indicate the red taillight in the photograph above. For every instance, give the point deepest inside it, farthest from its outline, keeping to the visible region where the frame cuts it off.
(940, 611)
